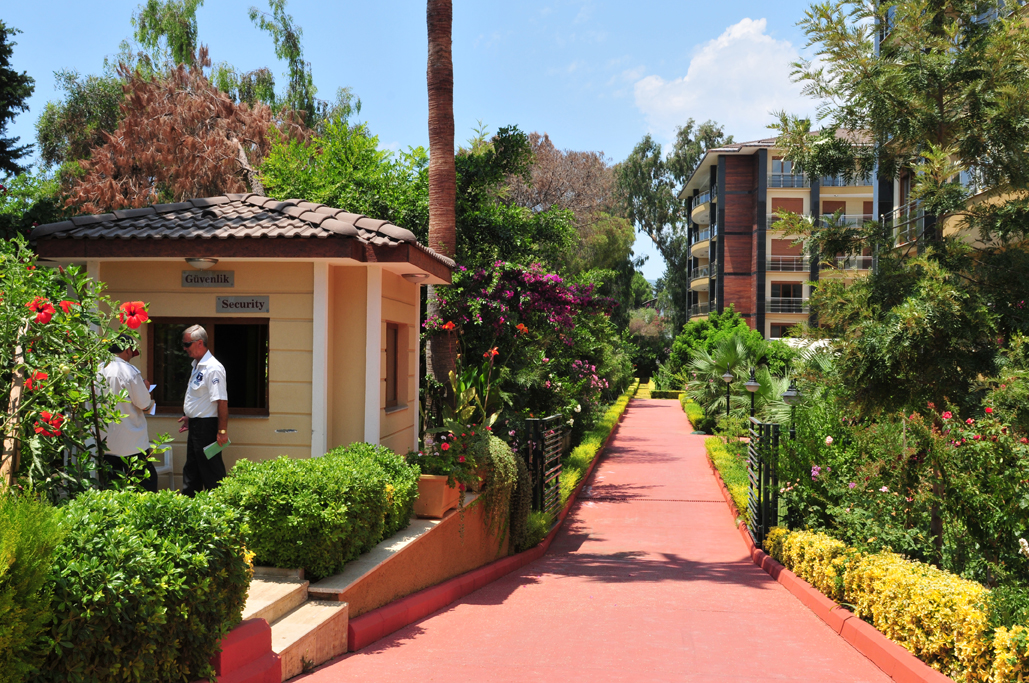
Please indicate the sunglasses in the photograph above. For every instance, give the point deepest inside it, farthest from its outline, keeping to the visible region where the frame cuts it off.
(186, 346)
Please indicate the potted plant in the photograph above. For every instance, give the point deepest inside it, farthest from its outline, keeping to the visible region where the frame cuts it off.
(448, 467)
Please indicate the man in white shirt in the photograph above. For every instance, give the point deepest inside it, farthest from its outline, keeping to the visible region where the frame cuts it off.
(206, 409)
(128, 444)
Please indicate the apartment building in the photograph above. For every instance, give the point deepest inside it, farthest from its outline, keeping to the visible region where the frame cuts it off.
(736, 257)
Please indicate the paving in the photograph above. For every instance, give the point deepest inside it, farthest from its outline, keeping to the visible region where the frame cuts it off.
(648, 580)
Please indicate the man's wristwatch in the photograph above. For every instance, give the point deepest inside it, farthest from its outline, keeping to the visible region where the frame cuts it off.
(222, 431)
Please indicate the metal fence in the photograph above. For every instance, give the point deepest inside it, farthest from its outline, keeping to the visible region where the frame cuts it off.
(546, 436)
(763, 481)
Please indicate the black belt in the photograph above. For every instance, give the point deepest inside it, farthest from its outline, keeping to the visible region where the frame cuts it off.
(201, 418)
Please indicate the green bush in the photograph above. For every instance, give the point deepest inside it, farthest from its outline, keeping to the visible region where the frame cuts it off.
(658, 393)
(695, 414)
(28, 536)
(732, 466)
(321, 513)
(521, 507)
(402, 489)
(145, 586)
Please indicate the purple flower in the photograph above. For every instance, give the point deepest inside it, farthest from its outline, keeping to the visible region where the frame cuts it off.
(851, 485)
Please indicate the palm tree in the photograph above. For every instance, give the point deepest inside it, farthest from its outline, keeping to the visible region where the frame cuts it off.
(441, 351)
(736, 354)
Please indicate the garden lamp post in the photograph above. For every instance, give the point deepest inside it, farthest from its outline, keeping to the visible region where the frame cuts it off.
(791, 397)
(727, 378)
(752, 386)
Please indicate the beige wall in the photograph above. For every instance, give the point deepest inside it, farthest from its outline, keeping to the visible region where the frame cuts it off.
(400, 305)
(289, 288)
(348, 288)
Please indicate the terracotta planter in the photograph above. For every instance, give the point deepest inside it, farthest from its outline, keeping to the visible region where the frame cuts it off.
(435, 497)
(476, 486)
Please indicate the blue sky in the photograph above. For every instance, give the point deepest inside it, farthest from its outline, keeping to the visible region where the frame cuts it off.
(593, 75)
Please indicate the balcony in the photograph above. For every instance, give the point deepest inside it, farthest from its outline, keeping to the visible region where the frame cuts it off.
(840, 181)
(702, 271)
(786, 180)
(906, 222)
(701, 212)
(784, 305)
(851, 263)
(700, 309)
(788, 264)
(847, 219)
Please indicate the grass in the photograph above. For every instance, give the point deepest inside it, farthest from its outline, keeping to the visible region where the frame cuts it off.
(733, 470)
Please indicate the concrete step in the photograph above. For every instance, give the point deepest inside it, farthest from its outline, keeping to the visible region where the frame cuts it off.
(310, 635)
(270, 598)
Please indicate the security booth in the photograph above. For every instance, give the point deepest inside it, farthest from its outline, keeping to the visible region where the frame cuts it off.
(313, 311)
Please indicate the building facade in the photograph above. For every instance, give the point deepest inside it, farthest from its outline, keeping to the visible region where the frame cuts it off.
(738, 258)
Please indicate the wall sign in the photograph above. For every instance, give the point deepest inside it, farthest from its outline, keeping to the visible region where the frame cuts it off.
(241, 304)
(208, 278)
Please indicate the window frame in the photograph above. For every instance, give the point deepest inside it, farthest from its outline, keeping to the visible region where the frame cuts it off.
(394, 329)
(208, 324)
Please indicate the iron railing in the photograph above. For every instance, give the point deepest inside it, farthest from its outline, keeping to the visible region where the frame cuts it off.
(546, 436)
(851, 263)
(788, 264)
(762, 478)
(702, 271)
(907, 223)
(700, 309)
(786, 305)
(841, 181)
(847, 219)
(788, 180)
(705, 197)
(705, 234)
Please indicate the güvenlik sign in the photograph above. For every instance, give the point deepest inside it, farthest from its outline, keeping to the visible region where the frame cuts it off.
(208, 278)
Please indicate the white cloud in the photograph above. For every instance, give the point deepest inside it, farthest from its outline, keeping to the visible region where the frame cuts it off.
(737, 79)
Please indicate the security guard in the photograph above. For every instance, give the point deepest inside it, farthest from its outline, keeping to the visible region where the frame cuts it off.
(206, 417)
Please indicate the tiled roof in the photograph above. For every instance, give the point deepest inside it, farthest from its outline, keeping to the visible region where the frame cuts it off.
(235, 216)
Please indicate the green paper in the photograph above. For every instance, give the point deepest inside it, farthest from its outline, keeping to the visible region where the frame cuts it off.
(214, 449)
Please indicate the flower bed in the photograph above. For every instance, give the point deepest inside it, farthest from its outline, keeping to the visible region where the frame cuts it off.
(941, 618)
(733, 470)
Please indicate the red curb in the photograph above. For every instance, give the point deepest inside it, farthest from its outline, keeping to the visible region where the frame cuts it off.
(371, 626)
(897, 662)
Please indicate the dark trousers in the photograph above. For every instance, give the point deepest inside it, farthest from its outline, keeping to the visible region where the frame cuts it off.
(136, 465)
(199, 473)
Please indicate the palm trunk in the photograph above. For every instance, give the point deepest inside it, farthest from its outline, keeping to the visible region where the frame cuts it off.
(440, 352)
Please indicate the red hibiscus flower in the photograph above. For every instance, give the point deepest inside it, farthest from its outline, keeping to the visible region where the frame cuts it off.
(989, 410)
(522, 329)
(43, 309)
(31, 382)
(445, 446)
(448, 326)
(133, 314)
(51, 424)
(66, 305)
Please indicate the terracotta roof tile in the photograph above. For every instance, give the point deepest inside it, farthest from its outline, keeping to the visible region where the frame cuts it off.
(235, 216)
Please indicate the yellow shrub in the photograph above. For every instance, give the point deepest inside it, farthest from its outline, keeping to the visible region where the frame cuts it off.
(816, 558)
(774, 540)
(1010, 654)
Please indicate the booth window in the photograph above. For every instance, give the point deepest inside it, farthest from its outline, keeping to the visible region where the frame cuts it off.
(392, 363)
(240, 344)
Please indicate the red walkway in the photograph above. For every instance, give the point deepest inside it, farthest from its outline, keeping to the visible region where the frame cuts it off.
(647, 581)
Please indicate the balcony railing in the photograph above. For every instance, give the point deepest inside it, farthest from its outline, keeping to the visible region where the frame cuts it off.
(841, 181)
(907, 223)
(784, 305)
(851, 263)
(702, 271)
(705, 234)
(847, 219)
(706, 196)
(788, 264)
(788, 180)
(700, 309)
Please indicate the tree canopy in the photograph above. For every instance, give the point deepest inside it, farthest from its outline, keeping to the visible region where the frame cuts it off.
(15, 89)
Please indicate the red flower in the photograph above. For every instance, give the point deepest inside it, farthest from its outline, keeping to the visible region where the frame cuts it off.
(461, 459)
(43, 309)
(51, 424)
(1024, 440)
(445, 446)
(36, 377)
(448, 326)
(491, 353)
(522, 329)
(969, 421)
(66, 305)
(133, 314)
(946, 415)
(30, 267)
(989, 410)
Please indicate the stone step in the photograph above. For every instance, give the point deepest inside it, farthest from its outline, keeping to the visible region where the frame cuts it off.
(309, 635)
(270, 598)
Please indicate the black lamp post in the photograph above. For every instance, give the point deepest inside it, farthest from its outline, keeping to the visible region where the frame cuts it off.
(727, 378)
(792, 397)
(752, 386)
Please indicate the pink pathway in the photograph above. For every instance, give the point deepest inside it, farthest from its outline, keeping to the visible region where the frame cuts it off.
(648, 581)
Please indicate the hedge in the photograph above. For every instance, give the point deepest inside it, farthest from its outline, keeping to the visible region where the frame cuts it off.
(940, 617)
(29, 534)
(733, 470)
(320, 513)
(663, 393)
(694, 413)
(145, 586)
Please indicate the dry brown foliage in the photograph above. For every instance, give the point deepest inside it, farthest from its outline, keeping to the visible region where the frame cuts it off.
(180, 138)
(580, 181)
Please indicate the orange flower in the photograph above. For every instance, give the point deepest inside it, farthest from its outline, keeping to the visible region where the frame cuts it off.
(449, 325)
(66, 305)
(522, 329)
(133, 314)
(491, 353)
(43, 309)
(51, 424)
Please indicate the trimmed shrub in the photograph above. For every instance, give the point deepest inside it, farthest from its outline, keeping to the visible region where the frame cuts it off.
(659, 393)
(145, 586)
(733, 470)
(402, 489)
(29, 534)
(941, 618)
(321, 513)
(694, 413)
